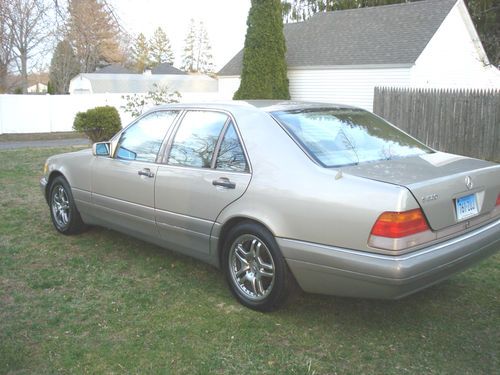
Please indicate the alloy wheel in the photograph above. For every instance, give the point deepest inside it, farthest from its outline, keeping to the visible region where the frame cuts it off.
(252, 267)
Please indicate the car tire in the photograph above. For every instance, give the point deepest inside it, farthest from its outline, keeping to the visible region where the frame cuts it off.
(63, 211)
(255, 269)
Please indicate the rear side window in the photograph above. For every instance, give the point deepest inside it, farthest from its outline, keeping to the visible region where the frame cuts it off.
(195, 141)
(142, 140)
(231, 156)
(339, 137)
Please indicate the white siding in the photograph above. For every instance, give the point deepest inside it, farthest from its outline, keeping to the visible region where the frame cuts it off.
(344, 86)
(228, 86)
(453, 57)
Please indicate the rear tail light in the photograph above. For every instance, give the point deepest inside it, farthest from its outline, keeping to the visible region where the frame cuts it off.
(496, 210)
(400, 224)
(400, 230)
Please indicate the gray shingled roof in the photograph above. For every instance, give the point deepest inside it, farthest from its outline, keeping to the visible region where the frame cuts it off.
(390, 34)
(166, 68)
(114, 69)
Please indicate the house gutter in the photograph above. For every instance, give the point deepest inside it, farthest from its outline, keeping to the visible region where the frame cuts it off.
(360, 66)
(337, 67)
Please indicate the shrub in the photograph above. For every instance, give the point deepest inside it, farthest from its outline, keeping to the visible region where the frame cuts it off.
(99, 124)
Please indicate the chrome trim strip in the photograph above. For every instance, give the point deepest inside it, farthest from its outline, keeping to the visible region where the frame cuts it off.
(411, 255)
(189, 223)
(125, 214)
(180, 229)
(102, 196)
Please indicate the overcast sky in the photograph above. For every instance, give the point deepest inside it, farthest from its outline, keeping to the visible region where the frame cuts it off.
(225, 21)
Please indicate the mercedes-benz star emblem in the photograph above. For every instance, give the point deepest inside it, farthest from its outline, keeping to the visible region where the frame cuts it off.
(469, 183)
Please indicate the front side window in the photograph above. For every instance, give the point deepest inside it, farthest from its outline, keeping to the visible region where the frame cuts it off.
(142, 140)
(231, 156)
(196, 139)
(347, 136)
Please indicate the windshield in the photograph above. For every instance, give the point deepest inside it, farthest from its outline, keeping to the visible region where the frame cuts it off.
(338, 137)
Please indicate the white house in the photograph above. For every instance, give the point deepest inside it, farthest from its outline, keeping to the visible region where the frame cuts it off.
(118, 80)
(341, 56)
(38, 88)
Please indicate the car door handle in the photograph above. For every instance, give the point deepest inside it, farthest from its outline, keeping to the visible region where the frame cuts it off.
(146, 172)
(224, 182)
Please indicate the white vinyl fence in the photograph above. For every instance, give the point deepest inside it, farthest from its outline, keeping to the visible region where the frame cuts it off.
(56, 113)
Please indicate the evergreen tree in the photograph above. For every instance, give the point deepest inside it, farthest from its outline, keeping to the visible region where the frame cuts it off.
(50, 88)
(63, 67)
(159, 48)
(204, 59)
(189, 56)
(140, 54)
(264, 74)
(197, 56)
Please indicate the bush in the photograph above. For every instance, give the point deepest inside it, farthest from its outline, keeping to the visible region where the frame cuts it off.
(99, 123)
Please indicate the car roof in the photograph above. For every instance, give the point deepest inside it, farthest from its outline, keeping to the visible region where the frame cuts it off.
(263, 105)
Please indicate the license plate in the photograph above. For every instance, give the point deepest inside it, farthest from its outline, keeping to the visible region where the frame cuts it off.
(466, 207)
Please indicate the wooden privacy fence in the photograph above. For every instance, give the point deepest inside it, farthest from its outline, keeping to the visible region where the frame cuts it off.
(465, 122)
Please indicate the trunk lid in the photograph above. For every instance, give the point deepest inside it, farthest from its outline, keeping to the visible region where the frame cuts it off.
(437, 181)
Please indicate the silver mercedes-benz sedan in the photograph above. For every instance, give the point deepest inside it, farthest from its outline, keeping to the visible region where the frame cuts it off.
(331, 197)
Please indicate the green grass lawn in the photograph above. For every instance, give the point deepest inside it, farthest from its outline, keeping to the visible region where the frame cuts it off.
(102, 302)
(40, 136)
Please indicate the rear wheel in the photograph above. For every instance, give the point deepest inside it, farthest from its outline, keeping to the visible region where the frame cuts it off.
(63, 211)
(256, 272)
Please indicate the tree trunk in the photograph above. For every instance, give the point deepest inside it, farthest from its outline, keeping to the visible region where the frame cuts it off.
(24, 71)
(3, 79)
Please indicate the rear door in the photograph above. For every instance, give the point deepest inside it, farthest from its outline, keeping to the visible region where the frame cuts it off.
(205, 169)
(123, 185)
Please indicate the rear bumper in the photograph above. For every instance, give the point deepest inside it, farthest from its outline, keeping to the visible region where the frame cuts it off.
(337, 271)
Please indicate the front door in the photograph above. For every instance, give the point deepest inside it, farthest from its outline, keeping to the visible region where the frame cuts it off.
(206, 169)
(123, 185)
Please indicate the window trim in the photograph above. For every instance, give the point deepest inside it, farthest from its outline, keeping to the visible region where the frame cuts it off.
(219, 144)
(168, 146)
(313, 157)
(118, 135)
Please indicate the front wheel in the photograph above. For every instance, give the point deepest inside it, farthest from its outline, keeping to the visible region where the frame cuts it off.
(63, 211)
(256, 272)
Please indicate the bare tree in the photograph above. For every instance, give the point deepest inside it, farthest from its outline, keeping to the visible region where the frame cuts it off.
(5, 48)
(160, 48)
(28, 23)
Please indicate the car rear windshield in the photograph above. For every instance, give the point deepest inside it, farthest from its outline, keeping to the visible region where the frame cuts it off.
(339, 137)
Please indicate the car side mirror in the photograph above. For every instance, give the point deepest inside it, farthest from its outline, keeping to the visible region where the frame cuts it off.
(101, 149)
